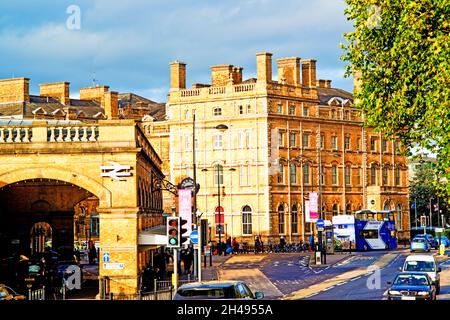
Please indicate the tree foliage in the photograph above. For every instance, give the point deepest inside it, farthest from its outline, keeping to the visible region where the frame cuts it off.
(401, 49)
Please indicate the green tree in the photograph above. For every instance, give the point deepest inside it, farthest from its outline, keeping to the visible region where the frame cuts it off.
(401, 51)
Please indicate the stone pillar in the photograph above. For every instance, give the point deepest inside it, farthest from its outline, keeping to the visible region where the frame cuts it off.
(264, 67)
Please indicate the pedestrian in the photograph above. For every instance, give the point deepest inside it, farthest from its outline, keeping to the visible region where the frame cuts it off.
(188, 258)
(235, 245)
(282, 244)
(270, 245)
(92, 253)
(257, 244)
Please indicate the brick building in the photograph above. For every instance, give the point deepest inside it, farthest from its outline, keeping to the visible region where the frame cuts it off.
(276, 136)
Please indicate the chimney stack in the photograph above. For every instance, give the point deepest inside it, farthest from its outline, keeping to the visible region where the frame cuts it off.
(15, 90)
(289, 71)
(309, 73)
(111, 104)
(323, 83)
(94, 93)
(57, 90)
(264, 67)
(221, 75)
(177, 75)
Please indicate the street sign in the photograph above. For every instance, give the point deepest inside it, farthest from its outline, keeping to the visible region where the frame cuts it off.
(115, 171)
(106, 257)
(320, 224)
(194, 237)
(113, 266)
(439, 230)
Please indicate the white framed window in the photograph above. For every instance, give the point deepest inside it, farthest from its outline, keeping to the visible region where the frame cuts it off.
(218, 141)
(294, 219)
(292, 139)
(280, 173)
(292, 110)
(293, 173)
(218, 174)
(279, 108)
(247, 220)
(347, 175)
(306, 140)
(306, 111)
(280, 138)
(334, 142)
(347, 143)
(306, 174)
(334, 175)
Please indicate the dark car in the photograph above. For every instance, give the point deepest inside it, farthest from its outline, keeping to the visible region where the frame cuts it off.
(6, 293)
(412, 286)
(235, 290)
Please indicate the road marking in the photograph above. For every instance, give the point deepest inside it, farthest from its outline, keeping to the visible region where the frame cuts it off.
(356, 278)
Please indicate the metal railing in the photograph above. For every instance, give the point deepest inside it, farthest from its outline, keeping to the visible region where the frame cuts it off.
(48, 293)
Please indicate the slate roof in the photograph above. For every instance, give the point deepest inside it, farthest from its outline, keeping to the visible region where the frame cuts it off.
(155, 109)
(325, 94)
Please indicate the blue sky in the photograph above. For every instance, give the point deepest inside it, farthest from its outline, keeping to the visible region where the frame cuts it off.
(129, 44)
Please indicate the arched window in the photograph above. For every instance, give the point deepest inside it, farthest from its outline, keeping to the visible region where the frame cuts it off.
(373, 175)
(348, 208)
(281, 219)
(347, 175)
(218, 174)
(385, 175)
(294, 219)
(335, 209)
(397, 176)
(247, 220)
(280, 173)
(293, 173)
(334, 175)
(306, 174)
(399, 218)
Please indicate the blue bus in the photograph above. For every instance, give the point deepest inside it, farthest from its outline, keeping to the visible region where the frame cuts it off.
(366, 230)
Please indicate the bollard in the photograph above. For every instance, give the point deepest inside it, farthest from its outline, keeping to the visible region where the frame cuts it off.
(204, 261)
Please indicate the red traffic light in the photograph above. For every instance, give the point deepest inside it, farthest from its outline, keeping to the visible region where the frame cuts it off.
(173, 223)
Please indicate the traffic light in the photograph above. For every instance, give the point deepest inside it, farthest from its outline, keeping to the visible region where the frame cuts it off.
(183, 236)
(173, 232)
(423, 221)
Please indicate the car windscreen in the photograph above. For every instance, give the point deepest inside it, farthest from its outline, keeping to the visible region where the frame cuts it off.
(419, 240)
(425, 266)
(411, 280)
(217, 293)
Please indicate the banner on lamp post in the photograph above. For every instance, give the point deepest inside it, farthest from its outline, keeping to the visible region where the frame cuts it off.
(313, 212)
(185, 208)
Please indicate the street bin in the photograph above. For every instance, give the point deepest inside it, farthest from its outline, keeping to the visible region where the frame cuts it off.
(318, 258)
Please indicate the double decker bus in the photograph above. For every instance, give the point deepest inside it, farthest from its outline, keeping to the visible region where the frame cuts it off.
(366, 230)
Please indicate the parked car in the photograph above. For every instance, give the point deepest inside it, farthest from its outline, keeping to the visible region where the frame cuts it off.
(6, 293)
(420, 244)
(412, 286)
(443, 240)
(235, 290)
(429, 237)
(424, 263)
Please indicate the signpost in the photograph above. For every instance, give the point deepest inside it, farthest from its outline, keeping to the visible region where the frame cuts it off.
(320, 224)
(106, 257)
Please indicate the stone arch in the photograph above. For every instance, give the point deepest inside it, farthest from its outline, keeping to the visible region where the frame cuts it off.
(75, 178)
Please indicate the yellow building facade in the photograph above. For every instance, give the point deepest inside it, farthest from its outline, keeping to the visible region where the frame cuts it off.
(260, 143)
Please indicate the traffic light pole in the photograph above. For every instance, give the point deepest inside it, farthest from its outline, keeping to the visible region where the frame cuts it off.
(175, 270)
(199, 259)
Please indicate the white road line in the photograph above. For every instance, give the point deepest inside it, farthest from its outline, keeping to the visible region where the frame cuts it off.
(356, 278)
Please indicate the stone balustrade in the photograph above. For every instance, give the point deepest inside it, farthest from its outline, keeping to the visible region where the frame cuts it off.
(15, 134)
(72, 134)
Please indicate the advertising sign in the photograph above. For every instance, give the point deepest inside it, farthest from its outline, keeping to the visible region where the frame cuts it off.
(313, 207)
(185, 207)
